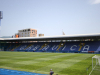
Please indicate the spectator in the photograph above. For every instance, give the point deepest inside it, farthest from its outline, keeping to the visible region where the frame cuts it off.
(51, 72)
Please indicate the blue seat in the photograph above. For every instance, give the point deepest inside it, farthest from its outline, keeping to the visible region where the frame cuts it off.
(89, 46)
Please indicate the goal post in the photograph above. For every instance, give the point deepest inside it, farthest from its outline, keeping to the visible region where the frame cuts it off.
(96, 62)
(95, 70)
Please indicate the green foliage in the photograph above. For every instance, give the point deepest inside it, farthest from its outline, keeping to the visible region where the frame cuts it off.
(61, 63)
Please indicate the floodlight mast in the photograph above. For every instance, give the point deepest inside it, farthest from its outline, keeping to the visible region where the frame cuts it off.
(1, 17)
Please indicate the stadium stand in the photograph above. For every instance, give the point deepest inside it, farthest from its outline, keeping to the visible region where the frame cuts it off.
(83, 43)
(65, 47)
(21, 47)
(53, 47)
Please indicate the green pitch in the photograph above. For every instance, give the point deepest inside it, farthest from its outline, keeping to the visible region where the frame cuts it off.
(60, 63)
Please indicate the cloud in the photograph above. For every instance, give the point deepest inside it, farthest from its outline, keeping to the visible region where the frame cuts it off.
(94, 1)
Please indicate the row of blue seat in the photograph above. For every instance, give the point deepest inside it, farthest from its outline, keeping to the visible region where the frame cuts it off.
(57, 46)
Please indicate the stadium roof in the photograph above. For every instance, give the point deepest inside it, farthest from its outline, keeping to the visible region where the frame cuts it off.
(61, 37)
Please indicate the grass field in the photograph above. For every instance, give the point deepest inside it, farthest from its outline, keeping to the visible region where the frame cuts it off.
(61, 63)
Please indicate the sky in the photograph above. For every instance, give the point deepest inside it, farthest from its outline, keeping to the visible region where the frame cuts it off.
(50, 17)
